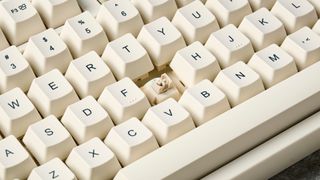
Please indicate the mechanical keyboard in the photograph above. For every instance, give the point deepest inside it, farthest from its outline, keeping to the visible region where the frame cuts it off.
(157, 89)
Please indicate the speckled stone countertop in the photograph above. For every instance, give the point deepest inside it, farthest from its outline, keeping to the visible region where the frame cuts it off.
(306, 169)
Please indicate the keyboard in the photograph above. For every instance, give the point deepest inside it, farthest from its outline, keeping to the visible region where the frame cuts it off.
(166, 89)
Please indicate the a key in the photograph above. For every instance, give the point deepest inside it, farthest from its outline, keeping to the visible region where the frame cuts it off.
(229, 45)
(204, 101)
(19, 20)
(273, 65)
(257, 4)
(167, 121)
(82, 33)
(3, 41)
(15, 71)
(316, 5)
(263, 29)
(229, 12)
(130, 141)
(51, 93)
(48, 139)
(54, 169)
(93, 160)
(126, 57)
(239, 82)
(304, 46)
(55, 13)
(316, 27)
(295, 14)
(182, 3)
(124, 100)
(161, 40)
(195, 22)
(194, 63)
(16, 113)
(118, 17)
(86, 119)
(151, 10)
(46, 51)
(15, 161)
(89, 75)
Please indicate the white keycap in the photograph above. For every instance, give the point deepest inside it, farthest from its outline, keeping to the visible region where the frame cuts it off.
(263, 29)
(93, 160)
(124, 100)
(15, 161)
(130, 141)
(167, 121)
(303, 46)
(86, 119)
(16, 113)
(118, 17)
(151, 10)
(295, 14)
(89, 75)
(48, 139)
(316, 27)
(239, 82)
(229, 12)
(19, 20)
(229, 45)
(55, 13)
(273, 65)
(126, 57)
(51, 93)
(53, 169)
(257, 4)
(46, 51)
(194, 63)
(82, 34)
(161, 40)
(316, 5)
(3, 41)
(204, 101)
(14, 70)
(159, 89)
(195, 22)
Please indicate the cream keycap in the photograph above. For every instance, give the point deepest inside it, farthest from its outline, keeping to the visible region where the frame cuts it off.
(195, 22)
(86, 119)
(303, 46)
(19, 20)
(89, 75)
(151, 10)
(124, 100)
(161, 40)
(229, 45)
(126, 57)
(167, 121)
(93, 160)
(204, 101)
(55, 13)
(13, 68)
(51, 93)
(316, 27)
(263, 29)
(316, 5)
(257, 4)
(273, 65)
(48, 139)
(3, 41)
(118, 17)
(15, 161)
(16, 113)
(229, 12)
(46, 51)
(53, 169)
(295, 14)
(194, 63)
(130, 141)
(239, 82)
(82, 33)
